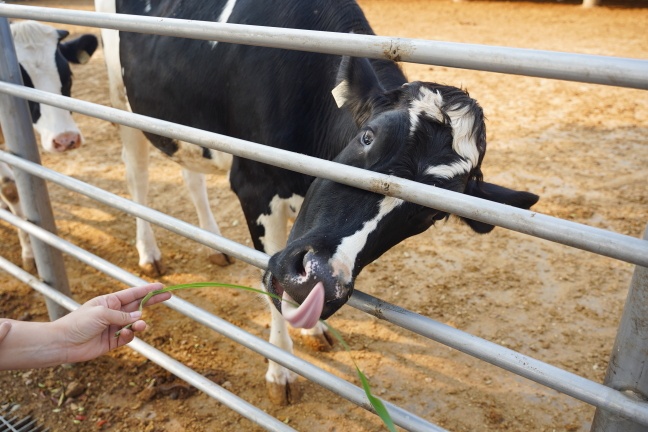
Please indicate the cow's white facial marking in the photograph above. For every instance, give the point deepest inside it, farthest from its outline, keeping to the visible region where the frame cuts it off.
(36, 46)
(464, 143)
(275, 222)
(427, 103)
(448, 171)
(147, 7)
(224, 16)
(343, 261)
(463, 140)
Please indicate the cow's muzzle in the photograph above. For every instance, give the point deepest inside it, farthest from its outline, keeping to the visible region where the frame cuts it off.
(304, 287)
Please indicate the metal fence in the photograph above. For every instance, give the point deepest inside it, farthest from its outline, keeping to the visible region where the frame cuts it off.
(621, 402)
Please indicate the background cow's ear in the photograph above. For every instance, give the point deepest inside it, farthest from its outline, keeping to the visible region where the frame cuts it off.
(357, 86)
(500, 194)
(62, 34)
(79, 50)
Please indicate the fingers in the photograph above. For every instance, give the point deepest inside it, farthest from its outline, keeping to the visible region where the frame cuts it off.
(127, 299)
(153, 300)
(118, 318)
(158, 298)
(138, 326)
(130, 295)
(125, 336)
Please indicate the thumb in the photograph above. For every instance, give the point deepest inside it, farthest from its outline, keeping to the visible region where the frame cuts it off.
(115, 317)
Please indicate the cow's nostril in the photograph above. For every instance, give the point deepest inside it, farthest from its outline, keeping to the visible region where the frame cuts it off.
(300, 265)
(67, 140)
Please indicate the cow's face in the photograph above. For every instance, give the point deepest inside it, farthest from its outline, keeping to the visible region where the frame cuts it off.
(44, 62)
(424, 132)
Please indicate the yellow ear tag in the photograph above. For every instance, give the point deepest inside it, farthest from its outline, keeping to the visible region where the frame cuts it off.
(340, 93)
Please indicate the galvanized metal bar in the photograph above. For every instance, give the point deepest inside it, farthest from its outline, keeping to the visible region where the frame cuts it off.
(187, 374)
(606, 70)
(571, 384)
(331, 382)
(520, 364)
(600, 241)
(16, 124)
(628, 367)
(185, 229)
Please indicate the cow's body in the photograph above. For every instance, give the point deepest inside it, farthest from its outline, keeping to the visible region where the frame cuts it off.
(44, 64)
(421, 131)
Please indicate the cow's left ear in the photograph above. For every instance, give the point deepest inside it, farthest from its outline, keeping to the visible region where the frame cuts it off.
(79, 50)
(357, 86)
(500, 194)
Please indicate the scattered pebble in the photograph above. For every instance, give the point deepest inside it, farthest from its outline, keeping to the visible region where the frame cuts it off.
(74, 389)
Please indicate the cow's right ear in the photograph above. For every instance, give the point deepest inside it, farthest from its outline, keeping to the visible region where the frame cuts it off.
(357, 86)
(500, 194)
(79, 50)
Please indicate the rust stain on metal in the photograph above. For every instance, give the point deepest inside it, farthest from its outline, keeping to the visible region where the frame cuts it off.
(384, 187)
(397, 50)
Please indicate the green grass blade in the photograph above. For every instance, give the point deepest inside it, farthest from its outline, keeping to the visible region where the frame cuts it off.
(375, 402)
(203, 285)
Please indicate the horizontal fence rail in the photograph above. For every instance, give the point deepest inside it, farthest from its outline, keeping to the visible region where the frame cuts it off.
(600, 241)
(329, 381)
(624, 72)
(535, 370)
(192, 377)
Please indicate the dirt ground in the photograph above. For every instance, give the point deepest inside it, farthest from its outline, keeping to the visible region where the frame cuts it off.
(582, 147)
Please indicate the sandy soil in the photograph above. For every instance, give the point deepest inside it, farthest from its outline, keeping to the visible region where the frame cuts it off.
(583, 148)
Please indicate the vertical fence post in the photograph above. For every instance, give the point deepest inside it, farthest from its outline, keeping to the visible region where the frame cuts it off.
(628, 368)
(17, 128)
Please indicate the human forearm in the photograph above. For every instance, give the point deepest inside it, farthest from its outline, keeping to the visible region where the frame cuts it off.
(31, 345)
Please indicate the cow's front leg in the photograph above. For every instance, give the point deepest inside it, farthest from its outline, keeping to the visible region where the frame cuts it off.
(198, 192)
(283, 387)
(10, 200)
(135, 153)
(267, 220)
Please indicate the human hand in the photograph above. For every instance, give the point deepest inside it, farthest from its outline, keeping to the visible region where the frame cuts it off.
(88, 332)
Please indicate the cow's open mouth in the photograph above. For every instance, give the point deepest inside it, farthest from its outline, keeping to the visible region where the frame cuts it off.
(307, 314)
(304, 315)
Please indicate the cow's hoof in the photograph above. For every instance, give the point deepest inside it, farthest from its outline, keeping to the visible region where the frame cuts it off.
(319, 342)
(154, 269)
(221, 259)
(283, 394)
(29, 265)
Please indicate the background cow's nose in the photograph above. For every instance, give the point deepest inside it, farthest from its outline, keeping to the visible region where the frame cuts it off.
(67, 141)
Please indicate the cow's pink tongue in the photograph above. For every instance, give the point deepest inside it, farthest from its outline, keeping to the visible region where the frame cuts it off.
(306, 314)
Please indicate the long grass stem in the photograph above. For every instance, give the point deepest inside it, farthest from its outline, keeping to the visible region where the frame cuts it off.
(375, 402)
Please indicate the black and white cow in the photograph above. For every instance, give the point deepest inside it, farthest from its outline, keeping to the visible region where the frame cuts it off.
(44, 64)
(356, 111)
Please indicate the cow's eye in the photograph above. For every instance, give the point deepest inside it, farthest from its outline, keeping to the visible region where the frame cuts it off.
(367, 137)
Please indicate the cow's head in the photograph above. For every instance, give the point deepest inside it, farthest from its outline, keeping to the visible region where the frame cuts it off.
(424, 132)
(44, 63)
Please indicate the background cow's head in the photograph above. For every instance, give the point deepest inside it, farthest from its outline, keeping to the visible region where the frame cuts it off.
(425, 132)
(44, 63)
